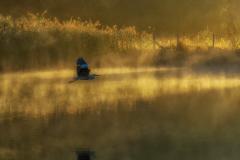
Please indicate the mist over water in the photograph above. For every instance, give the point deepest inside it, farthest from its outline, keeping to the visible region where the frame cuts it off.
(41, 93)
(124, 114)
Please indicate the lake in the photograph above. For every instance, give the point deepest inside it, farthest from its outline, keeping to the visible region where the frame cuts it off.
(125, 114)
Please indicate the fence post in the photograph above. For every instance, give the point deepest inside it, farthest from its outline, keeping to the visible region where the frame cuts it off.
(213, 40)
(4, 28)
(178, 41)
(154, 39)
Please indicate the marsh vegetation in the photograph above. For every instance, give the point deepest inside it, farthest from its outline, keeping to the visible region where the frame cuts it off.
(37, 42)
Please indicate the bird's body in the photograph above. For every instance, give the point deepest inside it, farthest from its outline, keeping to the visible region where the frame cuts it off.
(83, 71)
(82, 68)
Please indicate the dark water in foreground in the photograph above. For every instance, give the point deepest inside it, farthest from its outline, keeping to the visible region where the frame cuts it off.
(144, 114)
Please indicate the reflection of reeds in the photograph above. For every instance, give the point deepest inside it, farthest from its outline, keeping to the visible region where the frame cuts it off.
(193, 125)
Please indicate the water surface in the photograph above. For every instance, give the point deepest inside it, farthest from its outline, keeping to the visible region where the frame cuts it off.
(146, 113)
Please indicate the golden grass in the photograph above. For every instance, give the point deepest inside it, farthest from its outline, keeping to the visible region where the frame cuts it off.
(36, 41)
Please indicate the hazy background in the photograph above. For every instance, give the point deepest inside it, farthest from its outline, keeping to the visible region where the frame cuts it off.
(37, 34)
(166, 15)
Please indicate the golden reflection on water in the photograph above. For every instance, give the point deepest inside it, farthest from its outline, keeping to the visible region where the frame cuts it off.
(41, 93)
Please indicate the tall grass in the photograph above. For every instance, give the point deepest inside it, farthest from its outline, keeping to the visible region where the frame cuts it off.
(35, 41)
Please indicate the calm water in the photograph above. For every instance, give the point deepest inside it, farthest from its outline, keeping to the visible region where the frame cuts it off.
(124, 114)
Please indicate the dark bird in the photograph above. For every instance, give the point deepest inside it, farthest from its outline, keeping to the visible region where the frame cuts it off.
(83, 71)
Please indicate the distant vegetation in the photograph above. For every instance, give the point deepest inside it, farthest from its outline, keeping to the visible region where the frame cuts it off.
(35, 41)
(38, 41)
(171, 29)
(168, 16)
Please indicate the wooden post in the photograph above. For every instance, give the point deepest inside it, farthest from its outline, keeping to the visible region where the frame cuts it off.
(178, 41)
(141, 42)
(4, 27)
(213, 41)
(154, 40)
